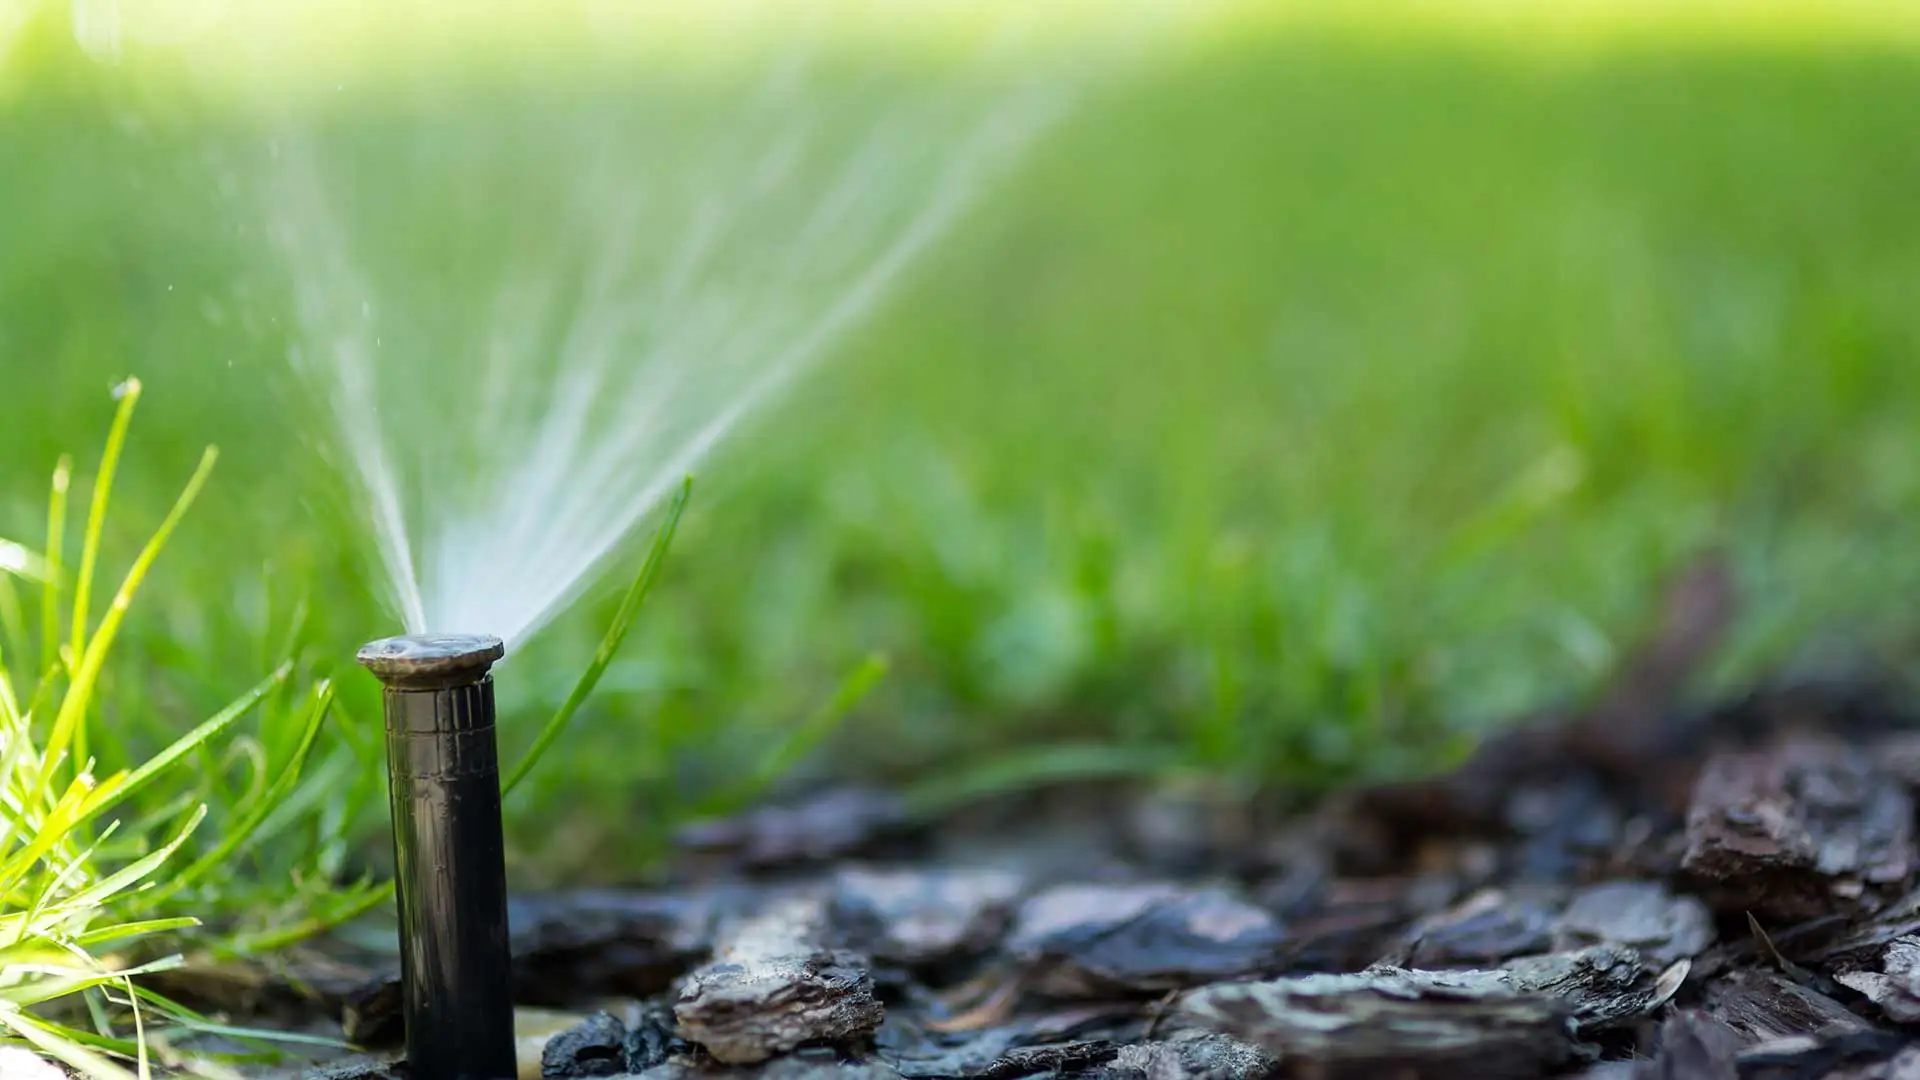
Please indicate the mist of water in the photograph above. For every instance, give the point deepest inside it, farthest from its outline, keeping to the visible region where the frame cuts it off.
(526, 337)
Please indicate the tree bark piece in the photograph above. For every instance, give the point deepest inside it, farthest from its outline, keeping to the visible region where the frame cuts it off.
(1389, 1023)
(801, 1066)
(1852, 1056)
(833, 824)
(1491, 926)
(1895, 986)
(1642, 915)
(1191, 1055)
(773, 986)
(1693, 1046)
(1805, 828)
(1763, 1007)
(1048, 1060)
(1518, 1021)
(605, 1045)
(923, 917)
(1084, 940)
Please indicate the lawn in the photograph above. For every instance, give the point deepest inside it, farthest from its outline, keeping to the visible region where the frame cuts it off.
(1308, 401)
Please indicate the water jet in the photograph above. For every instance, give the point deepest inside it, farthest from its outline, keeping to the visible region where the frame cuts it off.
(443, 780)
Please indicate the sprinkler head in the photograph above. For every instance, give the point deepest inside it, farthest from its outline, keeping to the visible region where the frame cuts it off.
(443, 782)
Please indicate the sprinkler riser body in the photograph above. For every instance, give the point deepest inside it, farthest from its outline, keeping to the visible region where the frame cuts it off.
(443, 782)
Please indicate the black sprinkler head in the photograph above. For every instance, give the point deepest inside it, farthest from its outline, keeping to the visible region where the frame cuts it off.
(443, 779)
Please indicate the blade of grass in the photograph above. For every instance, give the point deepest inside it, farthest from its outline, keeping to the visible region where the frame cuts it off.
(73, 982)
(46, 1038)
(261, 1038)
(17, 561)
(139, 1029)
(129, 394)
(9, 704)
(73, 706)
(133, 873)
(236, 835)
(55, 554)
(184, 745)
(1036, 768)
(616, 633)
(57, 828)
(269, 940)
(13, 621)
(802, 739)
(129, 930)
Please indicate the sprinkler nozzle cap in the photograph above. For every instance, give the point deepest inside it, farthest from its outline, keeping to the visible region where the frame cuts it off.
(427, 661)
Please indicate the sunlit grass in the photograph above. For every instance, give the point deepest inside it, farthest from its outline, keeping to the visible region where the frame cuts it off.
(1530, 25)
(262, 55)
(1322, 396)
(93, 826)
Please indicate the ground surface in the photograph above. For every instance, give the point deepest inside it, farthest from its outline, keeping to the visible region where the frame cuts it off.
(1640, 891)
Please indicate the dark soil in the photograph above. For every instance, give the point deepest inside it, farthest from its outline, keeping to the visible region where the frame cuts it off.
(1636, 890)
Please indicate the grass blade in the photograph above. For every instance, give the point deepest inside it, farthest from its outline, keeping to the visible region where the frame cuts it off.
(44, 1038)
(802, 739)
(9, 703)
(269, 940)
(56, 562)
(129, 930)
(73, 706)
(133, 873)
(236, 835)
(139, 777)
(17, 561)
(616, 633)
(1026, 770)
(129, 394)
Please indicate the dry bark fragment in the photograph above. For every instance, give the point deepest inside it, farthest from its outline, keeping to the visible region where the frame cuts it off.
(919, 917)
(1083, 940)
(1801, 829)
(1518, 1020)
(1763, 1007)
(1490, 926)
(1008, 1050)
(1643, 915)
(1044, 1060)
(609, 941)
(1860, 1055)
(801, 1066)
(1190, 1055)
(829, 825)
(1389, 1023)
(773, 986)
(1903, 1065)
(1693, 1046)
(597, 1047)
(605, 1045)
(1895, 986)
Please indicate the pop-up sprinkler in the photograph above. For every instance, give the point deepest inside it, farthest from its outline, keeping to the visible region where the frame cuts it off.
(443, 777)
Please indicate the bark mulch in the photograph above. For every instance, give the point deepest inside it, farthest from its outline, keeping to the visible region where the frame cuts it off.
(1639, 890)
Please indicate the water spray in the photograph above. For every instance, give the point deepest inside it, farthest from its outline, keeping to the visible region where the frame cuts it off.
(443, 779)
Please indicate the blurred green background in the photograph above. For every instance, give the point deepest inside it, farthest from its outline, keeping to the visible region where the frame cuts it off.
(1338, 382)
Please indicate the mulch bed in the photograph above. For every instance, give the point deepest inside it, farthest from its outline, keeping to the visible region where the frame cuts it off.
(1636, 890)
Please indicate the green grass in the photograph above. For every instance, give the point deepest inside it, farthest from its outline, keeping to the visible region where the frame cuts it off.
(91, 871)
(1307, 403)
